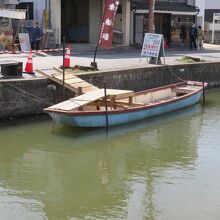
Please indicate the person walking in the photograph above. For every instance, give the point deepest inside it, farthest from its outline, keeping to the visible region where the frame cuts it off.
(193, 33)
(35, 34)
(201, 38)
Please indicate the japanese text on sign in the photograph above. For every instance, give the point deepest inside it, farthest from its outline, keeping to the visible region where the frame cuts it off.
(106, 32)
(151, 45)
(216, 16)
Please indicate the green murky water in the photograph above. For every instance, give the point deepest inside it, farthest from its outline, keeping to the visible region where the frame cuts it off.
(164, 168)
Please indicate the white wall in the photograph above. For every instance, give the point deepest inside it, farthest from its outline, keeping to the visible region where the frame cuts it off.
(95, 14)
(201, 5)
(56, 19)
(126, 15)
(200, 18)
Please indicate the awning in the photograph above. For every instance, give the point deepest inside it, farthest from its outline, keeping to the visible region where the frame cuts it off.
(13, 13)
(165, 7)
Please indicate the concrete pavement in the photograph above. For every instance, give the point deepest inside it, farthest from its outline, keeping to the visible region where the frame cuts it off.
(116, 59)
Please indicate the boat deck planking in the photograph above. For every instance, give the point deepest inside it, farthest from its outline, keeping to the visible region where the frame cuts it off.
(90, 97)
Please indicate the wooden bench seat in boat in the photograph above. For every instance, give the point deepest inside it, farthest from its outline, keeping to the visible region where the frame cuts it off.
(185, 89)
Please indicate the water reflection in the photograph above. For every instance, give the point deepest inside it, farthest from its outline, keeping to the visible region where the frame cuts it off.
(65, 173)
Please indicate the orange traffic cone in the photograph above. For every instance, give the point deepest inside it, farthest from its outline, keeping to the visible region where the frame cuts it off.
(67, 58)
(29, 64)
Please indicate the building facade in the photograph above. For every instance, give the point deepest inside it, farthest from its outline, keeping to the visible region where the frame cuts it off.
(205, 19)
(78, 20)
(205, 16)
(5, 23)
(172, 18)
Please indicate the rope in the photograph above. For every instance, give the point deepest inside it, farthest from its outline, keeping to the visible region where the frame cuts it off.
(174, 74)
(33, 97)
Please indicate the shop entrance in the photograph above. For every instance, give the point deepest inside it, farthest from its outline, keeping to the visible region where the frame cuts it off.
(180, 26)
(75, 20)
(163, 25)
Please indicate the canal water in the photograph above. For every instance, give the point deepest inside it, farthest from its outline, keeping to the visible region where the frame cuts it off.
(163, 168)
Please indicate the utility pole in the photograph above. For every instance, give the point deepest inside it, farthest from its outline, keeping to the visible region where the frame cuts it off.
(150, 28)
(151, 4)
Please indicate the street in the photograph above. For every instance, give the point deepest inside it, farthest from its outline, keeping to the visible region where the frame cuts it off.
(116, 59)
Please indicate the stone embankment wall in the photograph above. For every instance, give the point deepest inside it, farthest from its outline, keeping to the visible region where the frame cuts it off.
(20, 97)
(138, 79)
(15, 103)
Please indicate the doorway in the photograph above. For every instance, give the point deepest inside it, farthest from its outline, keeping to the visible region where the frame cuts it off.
(163, 25)
(75, 20)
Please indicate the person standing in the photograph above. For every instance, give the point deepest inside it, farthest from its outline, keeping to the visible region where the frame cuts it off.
(201, 37)
(193, 32)
(35, 34)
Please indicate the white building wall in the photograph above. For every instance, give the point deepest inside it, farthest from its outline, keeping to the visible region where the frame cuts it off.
(95, 15)
(200, 18)
(56, 19)
(126, 14)
(203, 5)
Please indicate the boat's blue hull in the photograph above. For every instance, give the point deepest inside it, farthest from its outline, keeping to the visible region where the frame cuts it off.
(123, 117)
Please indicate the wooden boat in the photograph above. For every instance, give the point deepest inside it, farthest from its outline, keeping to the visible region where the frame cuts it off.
(124, 106)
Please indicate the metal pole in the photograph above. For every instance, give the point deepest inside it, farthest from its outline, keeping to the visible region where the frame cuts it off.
(94, 64)
(203, 88)
(64, 47)
(106, 107)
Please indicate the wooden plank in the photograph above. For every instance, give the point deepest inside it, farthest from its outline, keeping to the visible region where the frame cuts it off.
(74, 80)
(91, 97)
(60, 77)
(81, 84)
(56, 80)
(58, 69)
(89, 89)
(186, 89)
(119, 94)
(79, 101)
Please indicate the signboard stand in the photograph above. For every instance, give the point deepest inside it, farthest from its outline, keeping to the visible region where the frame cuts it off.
(153, 48)
(24, 40)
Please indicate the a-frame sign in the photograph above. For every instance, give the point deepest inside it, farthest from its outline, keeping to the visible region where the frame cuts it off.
(153, 47)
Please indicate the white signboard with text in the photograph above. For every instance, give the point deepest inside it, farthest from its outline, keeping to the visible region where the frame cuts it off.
(152, 46)
(13, 13)
(24, 40)
(216, 16)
